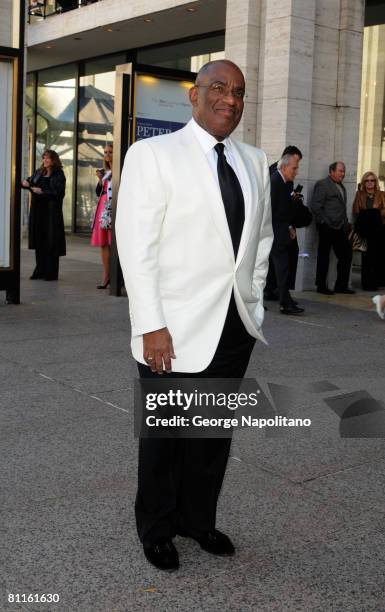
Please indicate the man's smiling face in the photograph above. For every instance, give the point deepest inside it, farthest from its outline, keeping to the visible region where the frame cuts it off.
(217, 98)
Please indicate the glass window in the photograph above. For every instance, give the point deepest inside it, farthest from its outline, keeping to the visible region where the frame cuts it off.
(371, 152)
(183, 55)
(6, 88)
(96, 116)
(55, 123)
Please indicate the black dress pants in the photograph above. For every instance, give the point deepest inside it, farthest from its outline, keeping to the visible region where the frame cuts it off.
(271, 280)
(293, 262)
(338, 240)
(279, 256)
(179, 480)
(372, 261)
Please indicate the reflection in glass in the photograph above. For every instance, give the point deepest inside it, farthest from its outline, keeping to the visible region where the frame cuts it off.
(371, 153)
(55, 124)
(96, 116)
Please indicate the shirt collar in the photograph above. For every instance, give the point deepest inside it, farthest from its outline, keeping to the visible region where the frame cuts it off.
(206, 140)
(335, 183)
(283, 178)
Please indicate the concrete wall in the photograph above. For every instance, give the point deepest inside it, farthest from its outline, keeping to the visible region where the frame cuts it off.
(96, 15)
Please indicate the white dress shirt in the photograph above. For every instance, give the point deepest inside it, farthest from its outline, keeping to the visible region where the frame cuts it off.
(208, 142)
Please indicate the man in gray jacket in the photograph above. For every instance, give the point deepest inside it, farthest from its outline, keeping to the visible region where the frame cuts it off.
(329, 206)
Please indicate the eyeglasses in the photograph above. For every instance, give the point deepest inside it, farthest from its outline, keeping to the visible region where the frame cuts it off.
(221, 91)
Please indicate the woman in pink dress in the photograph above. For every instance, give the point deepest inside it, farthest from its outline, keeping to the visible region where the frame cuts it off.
(101, 227)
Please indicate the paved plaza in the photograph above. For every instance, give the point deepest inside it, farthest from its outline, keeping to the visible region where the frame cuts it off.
(305, 509)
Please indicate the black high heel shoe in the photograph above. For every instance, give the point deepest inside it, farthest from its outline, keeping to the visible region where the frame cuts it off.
(105, 285)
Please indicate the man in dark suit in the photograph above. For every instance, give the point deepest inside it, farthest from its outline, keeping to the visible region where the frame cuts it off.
(329, 206)
(284, 233)
(271, 290)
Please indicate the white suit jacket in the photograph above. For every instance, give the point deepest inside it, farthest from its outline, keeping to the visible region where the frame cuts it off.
(175, 246)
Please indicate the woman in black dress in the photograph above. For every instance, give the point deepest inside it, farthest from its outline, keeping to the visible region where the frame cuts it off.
(46, 223)
(369, 214)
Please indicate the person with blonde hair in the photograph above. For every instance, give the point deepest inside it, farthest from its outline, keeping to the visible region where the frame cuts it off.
(101, 227)
(369, 213)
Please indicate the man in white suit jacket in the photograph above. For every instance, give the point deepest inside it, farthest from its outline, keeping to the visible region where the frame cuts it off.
(194, 233)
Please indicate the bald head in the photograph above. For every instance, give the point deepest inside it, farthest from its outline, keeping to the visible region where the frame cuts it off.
(217, 97)
(337, 171)
(210, 66)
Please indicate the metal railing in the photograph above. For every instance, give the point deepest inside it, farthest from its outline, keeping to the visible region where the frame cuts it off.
(40, 9)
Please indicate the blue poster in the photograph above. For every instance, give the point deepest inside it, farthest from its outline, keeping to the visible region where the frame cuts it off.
(162, 106)
(146, 128)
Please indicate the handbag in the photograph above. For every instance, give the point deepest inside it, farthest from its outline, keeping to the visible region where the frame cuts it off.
(357, 243)
(105, 217)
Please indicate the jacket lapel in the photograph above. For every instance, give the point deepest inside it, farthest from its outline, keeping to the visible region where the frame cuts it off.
(341, 195)
(250, 195)
(211, 194)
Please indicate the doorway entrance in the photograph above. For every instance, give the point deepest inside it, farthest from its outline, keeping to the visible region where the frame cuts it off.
(148, 102)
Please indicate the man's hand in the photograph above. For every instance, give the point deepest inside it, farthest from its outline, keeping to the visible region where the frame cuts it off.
(158, 350)
(292, 233)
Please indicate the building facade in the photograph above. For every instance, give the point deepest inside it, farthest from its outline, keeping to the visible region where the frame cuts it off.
(303, 61)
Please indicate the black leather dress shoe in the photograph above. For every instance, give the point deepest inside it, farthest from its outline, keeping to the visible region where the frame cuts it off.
(291, 309)
(346, 290)
(325, 291)
(162, 554)
(213, 542)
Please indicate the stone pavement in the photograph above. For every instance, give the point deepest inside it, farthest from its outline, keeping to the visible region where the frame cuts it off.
(305, 510)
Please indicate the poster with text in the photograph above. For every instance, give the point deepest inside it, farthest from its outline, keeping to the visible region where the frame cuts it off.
(162, 106)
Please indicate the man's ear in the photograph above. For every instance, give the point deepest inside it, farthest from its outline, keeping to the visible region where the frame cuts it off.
(193, 95)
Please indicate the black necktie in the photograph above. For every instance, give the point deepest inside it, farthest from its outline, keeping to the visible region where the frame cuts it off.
(232, 197)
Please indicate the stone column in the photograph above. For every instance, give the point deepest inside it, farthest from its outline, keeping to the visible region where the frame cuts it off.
(302, 62)
(285, 90)
(243, 25)
(335, 110)
(285, 86)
